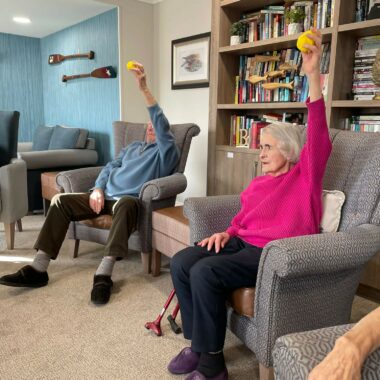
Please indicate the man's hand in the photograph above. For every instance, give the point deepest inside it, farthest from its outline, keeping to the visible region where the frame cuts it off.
(342, 363)
(219, 240)
(97, 200)
(140, 75)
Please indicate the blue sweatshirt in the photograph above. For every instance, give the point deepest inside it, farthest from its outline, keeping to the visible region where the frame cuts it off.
(140, 162)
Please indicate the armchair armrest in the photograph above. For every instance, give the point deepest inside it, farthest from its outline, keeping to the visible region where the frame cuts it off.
(208, 215)
(78, 180)
(322, 253)
(162, 188)
(13, 191)
(59, 158)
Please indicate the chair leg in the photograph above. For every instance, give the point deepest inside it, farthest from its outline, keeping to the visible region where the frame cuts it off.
(266, 373)
(10, 234)
(156, 263)
(146, 258)
(19, 225)
(76, 248)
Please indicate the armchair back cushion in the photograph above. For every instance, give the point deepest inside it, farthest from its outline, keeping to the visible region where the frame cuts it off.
(125, 133)
(8, 136)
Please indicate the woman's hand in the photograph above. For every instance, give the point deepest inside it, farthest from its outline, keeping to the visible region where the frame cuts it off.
(311, 60)
(342, 363)
(219, 240)
(97, 200)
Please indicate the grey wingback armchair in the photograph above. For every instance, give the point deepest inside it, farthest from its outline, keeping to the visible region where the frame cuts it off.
(13, 186)
(307, 282)
(295, 355)
(155, 194)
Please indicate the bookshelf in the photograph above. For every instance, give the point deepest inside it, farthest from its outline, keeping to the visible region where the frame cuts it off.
(230, 169)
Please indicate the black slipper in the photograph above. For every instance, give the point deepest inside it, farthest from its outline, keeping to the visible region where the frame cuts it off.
(101, 290)
(27, 277)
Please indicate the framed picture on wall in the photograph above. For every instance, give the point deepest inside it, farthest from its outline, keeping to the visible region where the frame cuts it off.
(191, 62)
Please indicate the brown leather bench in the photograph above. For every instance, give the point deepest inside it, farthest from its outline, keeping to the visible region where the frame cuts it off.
(170, 234)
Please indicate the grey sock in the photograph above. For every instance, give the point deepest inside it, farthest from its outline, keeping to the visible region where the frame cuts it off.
(105, 267)
(41, 261)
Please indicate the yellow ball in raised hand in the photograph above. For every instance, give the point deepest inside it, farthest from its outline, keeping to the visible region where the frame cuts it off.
(304, 39)
(131, 65)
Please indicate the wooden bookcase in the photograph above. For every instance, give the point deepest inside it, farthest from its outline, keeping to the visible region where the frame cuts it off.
(231, 169)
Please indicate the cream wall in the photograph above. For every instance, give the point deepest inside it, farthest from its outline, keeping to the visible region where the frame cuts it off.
(175, 19)
(146, 31)
(136, 43)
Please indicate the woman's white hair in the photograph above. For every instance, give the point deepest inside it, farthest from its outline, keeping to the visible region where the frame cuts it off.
(290, 139)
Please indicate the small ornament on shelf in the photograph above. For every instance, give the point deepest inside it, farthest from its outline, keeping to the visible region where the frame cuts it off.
(237, 30)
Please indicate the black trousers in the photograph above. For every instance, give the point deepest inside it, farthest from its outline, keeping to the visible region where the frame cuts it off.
(202, 280)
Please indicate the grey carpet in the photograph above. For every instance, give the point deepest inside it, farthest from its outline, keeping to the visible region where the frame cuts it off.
(56, 333)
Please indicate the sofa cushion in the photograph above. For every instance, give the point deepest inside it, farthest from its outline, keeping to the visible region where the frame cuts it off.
(41, 138)
(82, 138)
(64, 138)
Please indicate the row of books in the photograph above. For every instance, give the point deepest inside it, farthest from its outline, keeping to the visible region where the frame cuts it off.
(363, 7)
(290, 83)
(363, 123)
(270, 22)
(363, 86)
(245, 130)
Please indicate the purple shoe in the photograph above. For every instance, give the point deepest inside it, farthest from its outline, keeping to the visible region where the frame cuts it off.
(185, 362)
(196, 375)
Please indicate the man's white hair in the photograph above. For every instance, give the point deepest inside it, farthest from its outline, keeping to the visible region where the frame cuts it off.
(290, 139)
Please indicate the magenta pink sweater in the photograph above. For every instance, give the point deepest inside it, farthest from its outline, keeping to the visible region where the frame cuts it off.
(290, 204)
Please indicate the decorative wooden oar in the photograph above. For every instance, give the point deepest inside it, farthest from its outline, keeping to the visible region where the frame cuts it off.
(58, 58)
(101, 72)
(273, 86)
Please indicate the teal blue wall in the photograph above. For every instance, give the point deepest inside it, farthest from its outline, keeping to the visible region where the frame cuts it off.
(89, 102)
(30, 85)
(21, 81)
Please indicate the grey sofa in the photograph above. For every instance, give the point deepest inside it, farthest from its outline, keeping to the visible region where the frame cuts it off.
(307, 282)
(155, 194)
(37, 162)
(295, 355)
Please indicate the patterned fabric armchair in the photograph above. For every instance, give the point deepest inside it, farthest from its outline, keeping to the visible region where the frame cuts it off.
(155, 194)
(307, 282)
(13, 188)
(295, 355)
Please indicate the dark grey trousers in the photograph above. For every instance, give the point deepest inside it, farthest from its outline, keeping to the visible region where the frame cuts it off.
(65, 208)
(202, 280)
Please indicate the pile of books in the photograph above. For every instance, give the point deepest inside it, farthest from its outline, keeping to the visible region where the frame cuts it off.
(270, 22)
(363, 123)
(363, 86)
(363, 7)
(245, 130)
(272, 72)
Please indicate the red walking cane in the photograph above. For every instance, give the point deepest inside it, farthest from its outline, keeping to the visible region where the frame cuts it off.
(155, 326)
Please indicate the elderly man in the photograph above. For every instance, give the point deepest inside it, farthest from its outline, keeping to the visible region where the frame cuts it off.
(115, 192)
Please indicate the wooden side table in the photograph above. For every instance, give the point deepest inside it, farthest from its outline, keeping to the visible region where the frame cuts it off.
(170, 234)
(49, 188)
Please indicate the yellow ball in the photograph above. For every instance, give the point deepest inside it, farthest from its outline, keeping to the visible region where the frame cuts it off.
(304, 39)
(130, 65)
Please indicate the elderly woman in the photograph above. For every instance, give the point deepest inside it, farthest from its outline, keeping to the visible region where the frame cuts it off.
(283, 203)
